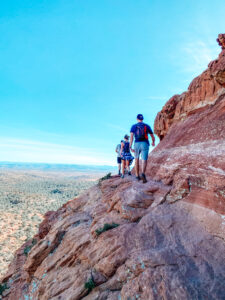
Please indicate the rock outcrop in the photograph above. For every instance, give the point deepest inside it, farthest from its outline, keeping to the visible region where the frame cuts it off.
(123, 239)
(203, 92)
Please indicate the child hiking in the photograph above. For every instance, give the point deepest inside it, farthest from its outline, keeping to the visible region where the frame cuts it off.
(126, 155)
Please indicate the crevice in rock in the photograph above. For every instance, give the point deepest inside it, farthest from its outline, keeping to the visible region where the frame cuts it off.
(58, 240)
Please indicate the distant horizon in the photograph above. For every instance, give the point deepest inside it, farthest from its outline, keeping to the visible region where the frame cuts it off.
(56, 164)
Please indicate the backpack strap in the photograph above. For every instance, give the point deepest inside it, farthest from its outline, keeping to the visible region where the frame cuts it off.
(145, 131)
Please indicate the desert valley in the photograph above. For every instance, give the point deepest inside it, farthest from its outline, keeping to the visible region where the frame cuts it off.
(28, 191)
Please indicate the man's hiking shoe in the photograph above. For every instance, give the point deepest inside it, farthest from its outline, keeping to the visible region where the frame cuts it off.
(129, 173)
(138, 178)
(119, 173)
(122, 176)
(143, 177)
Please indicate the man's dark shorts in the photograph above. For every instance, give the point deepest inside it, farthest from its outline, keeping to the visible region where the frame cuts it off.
(119, 160)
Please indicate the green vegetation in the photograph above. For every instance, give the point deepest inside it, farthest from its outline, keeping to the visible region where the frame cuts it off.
(107, 176)
(89, 285)
(28, 248)
(18, 190)
(106, 227)
(3, 287)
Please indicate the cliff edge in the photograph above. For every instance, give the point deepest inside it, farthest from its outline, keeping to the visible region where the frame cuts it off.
(127, 240)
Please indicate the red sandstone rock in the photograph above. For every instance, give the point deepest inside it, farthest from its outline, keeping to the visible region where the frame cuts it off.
(170, 242)
(221, 40)
(203, 91)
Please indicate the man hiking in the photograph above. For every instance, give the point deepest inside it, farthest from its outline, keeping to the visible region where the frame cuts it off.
(141, 146)
(118, 150)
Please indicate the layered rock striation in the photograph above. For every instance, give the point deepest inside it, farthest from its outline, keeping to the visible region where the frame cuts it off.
(126, 240)
(203, 92)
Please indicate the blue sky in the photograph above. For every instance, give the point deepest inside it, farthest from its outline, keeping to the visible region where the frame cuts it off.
(74, 74)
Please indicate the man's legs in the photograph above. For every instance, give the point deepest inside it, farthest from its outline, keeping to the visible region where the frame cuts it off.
(144, 166)
(144, 153)
(137, 154)
(137, 167)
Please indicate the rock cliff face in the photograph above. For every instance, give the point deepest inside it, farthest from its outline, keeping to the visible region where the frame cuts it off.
(165, 238)
(203, 92)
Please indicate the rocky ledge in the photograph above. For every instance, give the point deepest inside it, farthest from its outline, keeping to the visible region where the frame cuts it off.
(126, 240)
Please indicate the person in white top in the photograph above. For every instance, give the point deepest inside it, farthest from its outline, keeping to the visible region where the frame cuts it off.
(118, 150)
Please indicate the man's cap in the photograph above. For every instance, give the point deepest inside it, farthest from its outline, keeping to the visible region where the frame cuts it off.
(126, 137)
(140, 117)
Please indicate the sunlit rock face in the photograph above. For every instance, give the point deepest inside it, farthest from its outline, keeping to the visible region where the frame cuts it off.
(164, 240)
(191, 155)
(203, 92)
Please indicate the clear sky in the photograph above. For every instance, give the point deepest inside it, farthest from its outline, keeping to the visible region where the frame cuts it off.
(75, 73)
